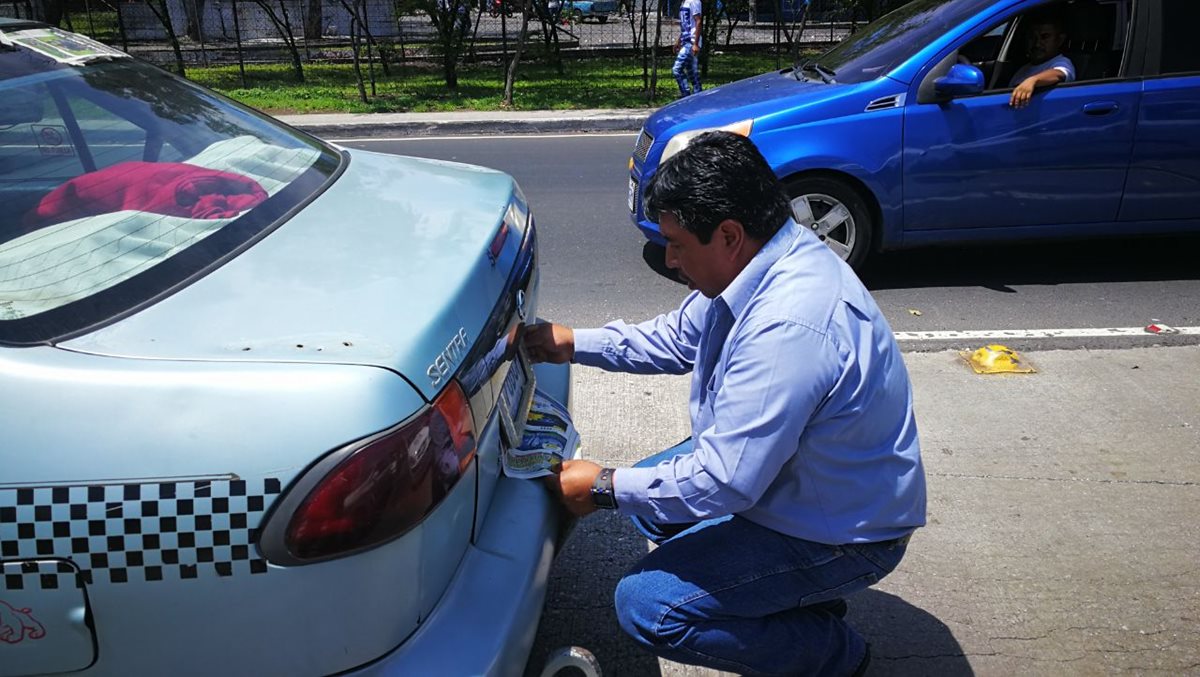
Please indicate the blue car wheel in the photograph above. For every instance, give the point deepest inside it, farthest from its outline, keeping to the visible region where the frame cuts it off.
(836, 213)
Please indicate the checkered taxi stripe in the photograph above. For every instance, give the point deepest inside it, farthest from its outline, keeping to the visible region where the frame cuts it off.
(121, 533)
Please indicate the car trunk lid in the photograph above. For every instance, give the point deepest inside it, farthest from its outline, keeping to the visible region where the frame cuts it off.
(389, 267)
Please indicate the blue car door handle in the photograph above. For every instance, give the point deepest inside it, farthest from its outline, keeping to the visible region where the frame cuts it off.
(1100, 107)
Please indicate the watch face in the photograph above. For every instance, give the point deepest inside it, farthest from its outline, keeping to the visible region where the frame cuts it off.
(603, 500)
(602, 490)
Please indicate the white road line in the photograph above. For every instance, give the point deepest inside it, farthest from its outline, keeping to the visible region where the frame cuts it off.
(485, 136)
(1092, 332)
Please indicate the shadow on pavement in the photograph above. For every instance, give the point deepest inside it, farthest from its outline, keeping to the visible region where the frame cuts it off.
(579, 598)
(998, 266)
(905, 641)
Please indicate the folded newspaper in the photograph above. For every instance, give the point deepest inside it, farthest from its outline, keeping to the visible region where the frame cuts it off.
(549, 438)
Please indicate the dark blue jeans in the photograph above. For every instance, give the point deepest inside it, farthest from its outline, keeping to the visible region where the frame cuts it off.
(735, 596)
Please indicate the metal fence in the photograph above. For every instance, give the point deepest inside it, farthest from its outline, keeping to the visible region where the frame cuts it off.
(204, 32)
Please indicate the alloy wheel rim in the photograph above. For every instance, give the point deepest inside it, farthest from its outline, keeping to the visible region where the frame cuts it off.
(829, 219)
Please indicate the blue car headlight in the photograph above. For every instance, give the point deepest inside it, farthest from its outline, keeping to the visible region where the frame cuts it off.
(682, 139)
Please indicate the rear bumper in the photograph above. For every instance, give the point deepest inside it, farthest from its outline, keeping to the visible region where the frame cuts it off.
(486, 621)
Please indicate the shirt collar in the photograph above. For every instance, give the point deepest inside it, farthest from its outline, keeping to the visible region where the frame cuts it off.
(739, 292)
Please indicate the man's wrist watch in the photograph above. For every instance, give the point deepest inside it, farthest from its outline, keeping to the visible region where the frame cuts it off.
(602, 490)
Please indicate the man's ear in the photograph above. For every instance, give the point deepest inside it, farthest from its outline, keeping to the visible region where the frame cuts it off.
(732, 234)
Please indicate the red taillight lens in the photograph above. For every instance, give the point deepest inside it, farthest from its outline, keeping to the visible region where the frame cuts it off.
(389, 484)
(497, 245)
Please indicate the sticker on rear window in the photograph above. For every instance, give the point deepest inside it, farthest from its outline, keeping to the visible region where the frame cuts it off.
(53, 140)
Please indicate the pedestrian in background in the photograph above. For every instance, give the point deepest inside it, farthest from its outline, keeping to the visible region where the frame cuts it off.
(802, 480)
(687, 64)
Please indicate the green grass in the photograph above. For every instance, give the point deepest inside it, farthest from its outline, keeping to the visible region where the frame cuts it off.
(600, 82)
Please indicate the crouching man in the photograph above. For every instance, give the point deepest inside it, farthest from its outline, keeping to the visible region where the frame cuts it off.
(802, 481)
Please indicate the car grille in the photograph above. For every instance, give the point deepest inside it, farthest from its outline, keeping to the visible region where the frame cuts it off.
(642, 147)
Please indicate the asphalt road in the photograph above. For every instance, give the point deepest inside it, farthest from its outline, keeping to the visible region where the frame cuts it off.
(593, 269)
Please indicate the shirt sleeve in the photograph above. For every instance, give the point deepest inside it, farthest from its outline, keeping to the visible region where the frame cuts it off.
(778, 375)
(665, 345)
(1065, 66)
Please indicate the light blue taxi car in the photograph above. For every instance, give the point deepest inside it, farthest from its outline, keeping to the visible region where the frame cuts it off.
(255, 389)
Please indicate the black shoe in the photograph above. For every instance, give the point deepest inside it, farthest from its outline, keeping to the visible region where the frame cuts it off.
(866, 661)
(837, 607)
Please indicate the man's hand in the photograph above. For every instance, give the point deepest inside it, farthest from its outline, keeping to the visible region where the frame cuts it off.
(547, 342)
(573, 486)
(1023, 93)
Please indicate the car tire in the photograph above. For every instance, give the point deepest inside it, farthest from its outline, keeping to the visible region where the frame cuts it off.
(577, 16)
(837, 213)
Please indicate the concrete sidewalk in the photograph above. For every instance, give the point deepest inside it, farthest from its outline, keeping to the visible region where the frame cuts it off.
(1064, 520)
(364, 125)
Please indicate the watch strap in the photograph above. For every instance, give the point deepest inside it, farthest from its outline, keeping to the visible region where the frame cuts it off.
(603, 495)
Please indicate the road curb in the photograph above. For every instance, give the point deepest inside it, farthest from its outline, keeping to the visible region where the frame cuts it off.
(384, 125)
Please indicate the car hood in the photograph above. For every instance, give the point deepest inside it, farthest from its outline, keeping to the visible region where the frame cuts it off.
(385, 268)
(734, 101)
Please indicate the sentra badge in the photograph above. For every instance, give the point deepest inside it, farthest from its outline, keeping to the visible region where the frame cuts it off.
(450, 355)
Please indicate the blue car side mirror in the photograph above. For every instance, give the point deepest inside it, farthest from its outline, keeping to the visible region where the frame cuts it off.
(960, 81)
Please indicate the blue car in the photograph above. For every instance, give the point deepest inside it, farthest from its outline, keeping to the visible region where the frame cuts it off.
(902, 135)
(256, 389)
(579, 10)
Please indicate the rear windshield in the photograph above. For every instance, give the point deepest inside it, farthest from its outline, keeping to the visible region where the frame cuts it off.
(873, 50)
(120, 182)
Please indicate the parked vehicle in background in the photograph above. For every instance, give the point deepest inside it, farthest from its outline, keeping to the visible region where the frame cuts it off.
(581, 10)
(256, 389)
(902, 136)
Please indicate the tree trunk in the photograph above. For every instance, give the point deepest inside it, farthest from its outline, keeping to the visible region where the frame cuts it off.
(797, 34)
(633, 28)
(51, 12)
(645, 46)
(511, 77)
(709, 30)
(358, 76)
(284, 26)
(313, 18)
(164, 17)
(654, 60)
(357, 19)
(194, 9)
(364, 21)
(446, 19)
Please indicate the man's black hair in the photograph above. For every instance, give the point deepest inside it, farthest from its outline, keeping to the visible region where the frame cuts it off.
(719, 176)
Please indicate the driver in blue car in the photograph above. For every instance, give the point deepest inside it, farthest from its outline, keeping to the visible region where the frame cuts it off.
(802, 481)
(1047, 66)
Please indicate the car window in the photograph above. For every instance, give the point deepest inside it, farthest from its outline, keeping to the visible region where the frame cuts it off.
(119, 181)
(984, 50)
(874, 49)
(1179, 53)
(1093, 39)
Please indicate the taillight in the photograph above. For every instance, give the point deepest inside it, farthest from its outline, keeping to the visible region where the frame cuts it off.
(386, 486)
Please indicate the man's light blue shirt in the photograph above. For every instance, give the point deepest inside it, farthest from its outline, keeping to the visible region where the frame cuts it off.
(801, 407)
(1061, 63)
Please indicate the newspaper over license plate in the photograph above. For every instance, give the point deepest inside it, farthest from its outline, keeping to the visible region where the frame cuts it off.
(549, 438)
